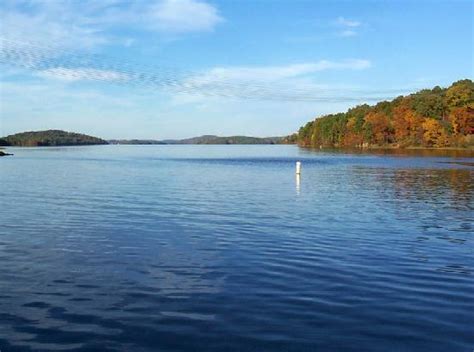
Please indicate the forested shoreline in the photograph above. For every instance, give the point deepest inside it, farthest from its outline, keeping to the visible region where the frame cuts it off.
(432, 118)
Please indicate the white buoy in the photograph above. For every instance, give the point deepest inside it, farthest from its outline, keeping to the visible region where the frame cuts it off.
(298, 167)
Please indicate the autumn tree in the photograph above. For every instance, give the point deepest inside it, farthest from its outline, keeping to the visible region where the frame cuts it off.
(380, 127)
(462, 120)
(434, 134)
(353, 136)
(407, 124)
(461, 93)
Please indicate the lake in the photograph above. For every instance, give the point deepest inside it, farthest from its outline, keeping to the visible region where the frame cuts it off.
(222, 248)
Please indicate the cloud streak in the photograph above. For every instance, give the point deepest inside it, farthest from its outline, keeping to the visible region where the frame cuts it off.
(347, 23)
(274, 73)
(88, 24)
(82, 74)
(182, 16)
(348, 28)
(287, 82)
(294, 82)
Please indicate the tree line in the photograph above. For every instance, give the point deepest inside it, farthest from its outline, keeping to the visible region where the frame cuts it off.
(438, 117)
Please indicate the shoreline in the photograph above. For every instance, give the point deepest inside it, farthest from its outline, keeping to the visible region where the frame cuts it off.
(470, 148)
(371, 148)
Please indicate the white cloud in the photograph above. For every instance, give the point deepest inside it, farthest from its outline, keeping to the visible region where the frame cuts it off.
(289, 82)
(285, 82)
(82, 74)
(348, 27)
(274, 73)
(87, 24)
(347, 23)
(180, 16)
(51, 22)
(347, 33)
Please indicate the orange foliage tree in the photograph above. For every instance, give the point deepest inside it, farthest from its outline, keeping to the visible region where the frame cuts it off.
(379, 125)
(407, 124)
(462, 120)
(434, 134)
(353, 136)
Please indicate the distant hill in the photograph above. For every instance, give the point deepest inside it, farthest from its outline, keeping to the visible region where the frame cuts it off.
(206, 139)
(211, 139)
(63, 138)
(49, 138)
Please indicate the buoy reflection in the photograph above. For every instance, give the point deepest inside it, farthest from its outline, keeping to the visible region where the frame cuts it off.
(298, 184)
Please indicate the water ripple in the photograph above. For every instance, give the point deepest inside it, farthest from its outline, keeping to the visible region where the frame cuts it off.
(175, 248)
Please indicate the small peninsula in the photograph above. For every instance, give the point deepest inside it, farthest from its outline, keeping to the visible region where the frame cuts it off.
(49, 138)
(2, 153)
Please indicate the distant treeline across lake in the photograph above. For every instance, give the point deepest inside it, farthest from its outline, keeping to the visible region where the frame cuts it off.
(63, 138)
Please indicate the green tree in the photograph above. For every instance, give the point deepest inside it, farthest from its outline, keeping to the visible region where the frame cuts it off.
(460, 93)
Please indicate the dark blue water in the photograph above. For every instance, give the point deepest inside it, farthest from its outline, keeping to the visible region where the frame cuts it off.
(221, 248)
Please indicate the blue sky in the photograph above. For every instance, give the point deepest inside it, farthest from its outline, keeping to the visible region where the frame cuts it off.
(180, 68)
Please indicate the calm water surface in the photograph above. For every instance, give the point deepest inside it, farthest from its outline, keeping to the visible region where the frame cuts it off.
(221, 248)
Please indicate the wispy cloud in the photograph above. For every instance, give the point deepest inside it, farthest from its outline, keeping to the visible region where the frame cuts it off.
(273, 73)
(347, 23)
(286, 82)
(57, 23)
(87, 24)
(181, 16)
(82, 74)
(347, 33)
(347, 27)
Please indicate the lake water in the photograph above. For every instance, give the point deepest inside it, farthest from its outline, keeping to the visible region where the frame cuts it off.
(221, 248)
